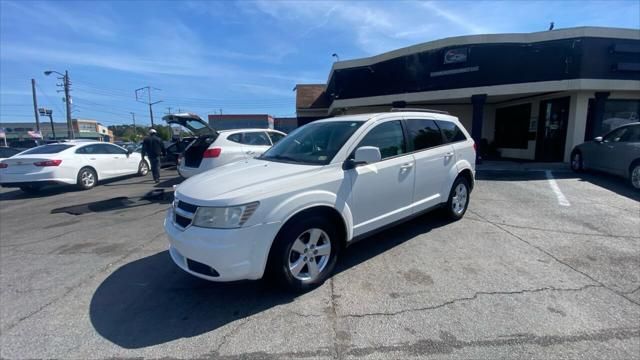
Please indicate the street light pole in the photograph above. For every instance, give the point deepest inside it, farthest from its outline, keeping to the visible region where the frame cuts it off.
(35, 104)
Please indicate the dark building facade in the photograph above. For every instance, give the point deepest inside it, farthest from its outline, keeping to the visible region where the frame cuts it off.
(528, 96)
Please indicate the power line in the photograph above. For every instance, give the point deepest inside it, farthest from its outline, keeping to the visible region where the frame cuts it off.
(55, 104)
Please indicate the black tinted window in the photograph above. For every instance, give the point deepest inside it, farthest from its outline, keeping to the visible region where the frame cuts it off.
(48, 149)
(275, 137)
(451, 131)
(112, 149)
(235, 138)
(256, 139)
(388, 137)
(7, 152)
(424, 133)
(89, 149)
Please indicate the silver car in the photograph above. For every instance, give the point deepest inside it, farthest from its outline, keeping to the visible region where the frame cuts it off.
(617, 152)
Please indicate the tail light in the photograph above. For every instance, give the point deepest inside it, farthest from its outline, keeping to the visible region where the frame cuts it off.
(48, 163)
(3, 166)
(475, 147)
(212, 153)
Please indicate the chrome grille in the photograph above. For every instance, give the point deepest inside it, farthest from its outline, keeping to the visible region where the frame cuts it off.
(183, 213)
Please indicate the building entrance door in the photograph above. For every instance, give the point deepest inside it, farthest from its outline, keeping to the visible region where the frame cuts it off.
(552, 129)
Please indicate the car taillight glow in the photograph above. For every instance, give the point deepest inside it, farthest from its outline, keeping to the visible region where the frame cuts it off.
(212, 153)
(48, 163)
(3, 166)
(475, 147)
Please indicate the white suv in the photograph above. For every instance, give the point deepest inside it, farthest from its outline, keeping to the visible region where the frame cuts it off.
(214, 148)
(327, 184)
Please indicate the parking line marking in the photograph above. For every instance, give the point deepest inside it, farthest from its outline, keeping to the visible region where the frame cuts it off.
(562, 200)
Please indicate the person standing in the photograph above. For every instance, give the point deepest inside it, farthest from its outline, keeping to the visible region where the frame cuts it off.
(153, 148)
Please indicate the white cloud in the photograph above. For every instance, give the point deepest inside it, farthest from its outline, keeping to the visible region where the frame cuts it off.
(455, 19)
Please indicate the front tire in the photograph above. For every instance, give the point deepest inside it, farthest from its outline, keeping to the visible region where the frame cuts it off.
(87, 178)
(577, 163)
(458, 201)
(634, 175)
(305, 253)
(143, 168)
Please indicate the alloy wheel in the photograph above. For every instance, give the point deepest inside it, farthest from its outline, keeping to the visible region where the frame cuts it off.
(309, 255)
(144, 168)
(459, 199)
(87, 178)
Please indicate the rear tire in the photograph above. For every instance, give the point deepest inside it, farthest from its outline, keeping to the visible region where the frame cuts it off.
(304, 253)
(577, 164)
(459, 197)
(634, 174)
(87, 178)
(143, 168)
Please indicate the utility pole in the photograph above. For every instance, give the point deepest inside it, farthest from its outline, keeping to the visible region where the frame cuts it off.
(66, 83)
(67, 100)
(135, 129)
(138, 99)
(35, 104)
(169, 110)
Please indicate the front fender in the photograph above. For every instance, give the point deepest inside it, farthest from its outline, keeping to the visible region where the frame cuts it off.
(310, 199)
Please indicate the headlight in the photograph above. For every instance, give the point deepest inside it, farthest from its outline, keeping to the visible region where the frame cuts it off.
(224, 217)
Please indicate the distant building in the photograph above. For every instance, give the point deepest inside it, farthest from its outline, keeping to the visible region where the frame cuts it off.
(285, 124)
(312, 102)
(241, 121)
(83, 129)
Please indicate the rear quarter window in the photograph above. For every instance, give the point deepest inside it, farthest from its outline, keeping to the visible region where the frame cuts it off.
(236, 138)
(451, 131)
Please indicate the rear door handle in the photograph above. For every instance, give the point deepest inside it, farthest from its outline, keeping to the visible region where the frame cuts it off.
(250, 152)
(406, 166)
(92, 158)
(449, 154)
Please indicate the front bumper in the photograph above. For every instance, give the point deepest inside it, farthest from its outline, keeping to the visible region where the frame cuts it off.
(235, 254)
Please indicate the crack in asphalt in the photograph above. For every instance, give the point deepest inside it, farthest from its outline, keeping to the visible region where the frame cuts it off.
(231, 333)
(80, 283)
(501, 227)
(600, 234)
(333, 317)
(448, 342)
(471, 298)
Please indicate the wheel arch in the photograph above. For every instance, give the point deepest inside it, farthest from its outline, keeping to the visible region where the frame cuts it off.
(95, 171)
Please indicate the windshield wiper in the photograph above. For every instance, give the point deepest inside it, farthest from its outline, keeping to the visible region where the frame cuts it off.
(280, 157)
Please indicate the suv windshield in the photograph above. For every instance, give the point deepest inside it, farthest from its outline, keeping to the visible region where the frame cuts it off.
(315, 143)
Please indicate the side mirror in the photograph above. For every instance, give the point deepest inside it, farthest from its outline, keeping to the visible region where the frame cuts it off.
(598, 139)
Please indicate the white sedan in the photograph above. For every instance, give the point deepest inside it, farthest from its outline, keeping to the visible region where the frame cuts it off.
(80, 163)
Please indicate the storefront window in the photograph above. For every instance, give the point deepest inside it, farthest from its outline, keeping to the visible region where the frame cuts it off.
(616, 113)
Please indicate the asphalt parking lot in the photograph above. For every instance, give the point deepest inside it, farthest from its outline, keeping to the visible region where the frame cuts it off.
(86, 274)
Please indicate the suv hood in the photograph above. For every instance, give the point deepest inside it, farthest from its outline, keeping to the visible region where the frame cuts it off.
(192, 122)
(241, 181)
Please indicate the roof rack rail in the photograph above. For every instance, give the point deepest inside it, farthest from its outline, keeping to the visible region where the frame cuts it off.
(420, 110)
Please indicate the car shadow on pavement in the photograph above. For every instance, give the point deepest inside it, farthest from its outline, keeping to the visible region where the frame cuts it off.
(610, 182)
(156, 196)
(151, 301)
(45, 191)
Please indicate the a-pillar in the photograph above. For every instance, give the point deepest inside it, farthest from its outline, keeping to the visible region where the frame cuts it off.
(478, 102)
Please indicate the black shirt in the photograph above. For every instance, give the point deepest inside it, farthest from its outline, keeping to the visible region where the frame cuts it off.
(153, 147)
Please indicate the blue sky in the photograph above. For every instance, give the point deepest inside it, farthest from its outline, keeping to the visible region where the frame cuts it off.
(242, 56)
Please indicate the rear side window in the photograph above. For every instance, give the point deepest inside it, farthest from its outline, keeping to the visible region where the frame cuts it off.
(48, 149)
(113, 149)
(256, 139)
(237, 138)
(275, 137)
(7, 152)
(450, 131)
(388, 137)
(424, 133)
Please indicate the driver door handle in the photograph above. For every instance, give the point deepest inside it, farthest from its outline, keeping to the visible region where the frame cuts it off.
(449, 154)
(406, 166)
